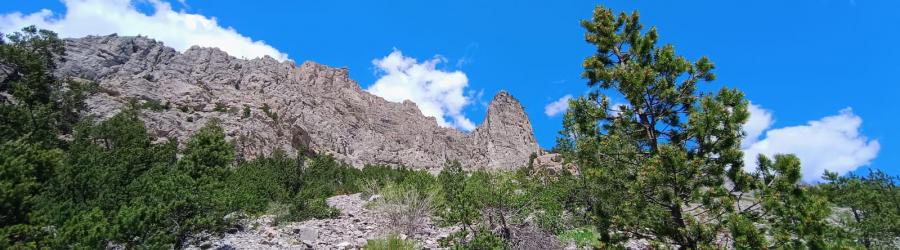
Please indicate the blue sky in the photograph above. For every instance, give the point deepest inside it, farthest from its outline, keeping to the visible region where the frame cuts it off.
(800, 61)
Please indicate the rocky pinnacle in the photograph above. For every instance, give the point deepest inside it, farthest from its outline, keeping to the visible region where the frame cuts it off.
(265, 105)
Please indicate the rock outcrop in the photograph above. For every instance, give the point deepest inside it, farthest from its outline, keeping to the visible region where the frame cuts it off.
(265, 105)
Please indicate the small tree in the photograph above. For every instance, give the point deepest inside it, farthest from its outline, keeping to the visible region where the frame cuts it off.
(207, 153)
(459, 205)
(35, 104)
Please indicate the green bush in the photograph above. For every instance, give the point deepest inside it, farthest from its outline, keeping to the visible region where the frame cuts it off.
(220, 107)
(872, 212)
(405, 207)
(256, 183)
(155, 105)
(246, 112)
(207, 153)
(582, 237)
(420, 179)
(391, 242)
(268, 111)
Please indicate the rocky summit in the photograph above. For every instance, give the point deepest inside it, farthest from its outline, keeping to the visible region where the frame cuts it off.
(265, 105)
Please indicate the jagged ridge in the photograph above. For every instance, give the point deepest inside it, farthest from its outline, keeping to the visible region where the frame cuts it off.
(318, 108)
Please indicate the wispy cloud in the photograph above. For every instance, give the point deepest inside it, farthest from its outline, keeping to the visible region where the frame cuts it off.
(176, 29)
(468, 57)
(557, 107)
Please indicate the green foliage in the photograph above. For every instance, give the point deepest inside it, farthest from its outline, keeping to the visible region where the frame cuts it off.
(167, 205)
(552, 200)
(458, 200)
(663, 157)
(207, 153)
(35, 109)
(872, 213)
(220, 107)
(114, 186)
(746, 233)
(785, 214)
(483, 240)
(381, 175)
(582, 237)
(483, 202)
(151, 104)
(391, 242)
(666, 167)
(88, 230)
(24, 168)
(405, 207)
(258, 182)
(246, 112)
(30, 54)
(38, 106)
(796, 217)
(268, 111)
(105, 157)
(657, 167)
(299, 186)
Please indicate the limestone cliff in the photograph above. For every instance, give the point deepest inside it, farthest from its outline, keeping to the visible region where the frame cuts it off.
(265, 105)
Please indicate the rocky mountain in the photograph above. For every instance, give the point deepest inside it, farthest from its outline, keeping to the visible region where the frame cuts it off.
(265, 105)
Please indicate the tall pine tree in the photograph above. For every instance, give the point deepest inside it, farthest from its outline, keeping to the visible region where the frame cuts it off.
(667, 166)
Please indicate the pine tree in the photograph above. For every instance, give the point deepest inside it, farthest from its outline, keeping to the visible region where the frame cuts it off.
(664, 155)
(790, 214)
(207, 153)
(31, 118)
(35, 104)
(666, 166)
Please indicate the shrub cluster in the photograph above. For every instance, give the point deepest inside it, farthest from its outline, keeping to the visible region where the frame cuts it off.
(505, 209)
(390, 242)
(111, 185)
(69, 182)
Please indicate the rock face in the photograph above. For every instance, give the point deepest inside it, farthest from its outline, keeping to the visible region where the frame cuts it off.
(505, 132)
(264, 105)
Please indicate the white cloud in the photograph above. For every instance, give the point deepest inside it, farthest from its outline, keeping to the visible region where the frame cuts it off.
(760, 119)
(557, 107)
(437, 93)
(177, 29)
(832, 143)
(617, 107)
